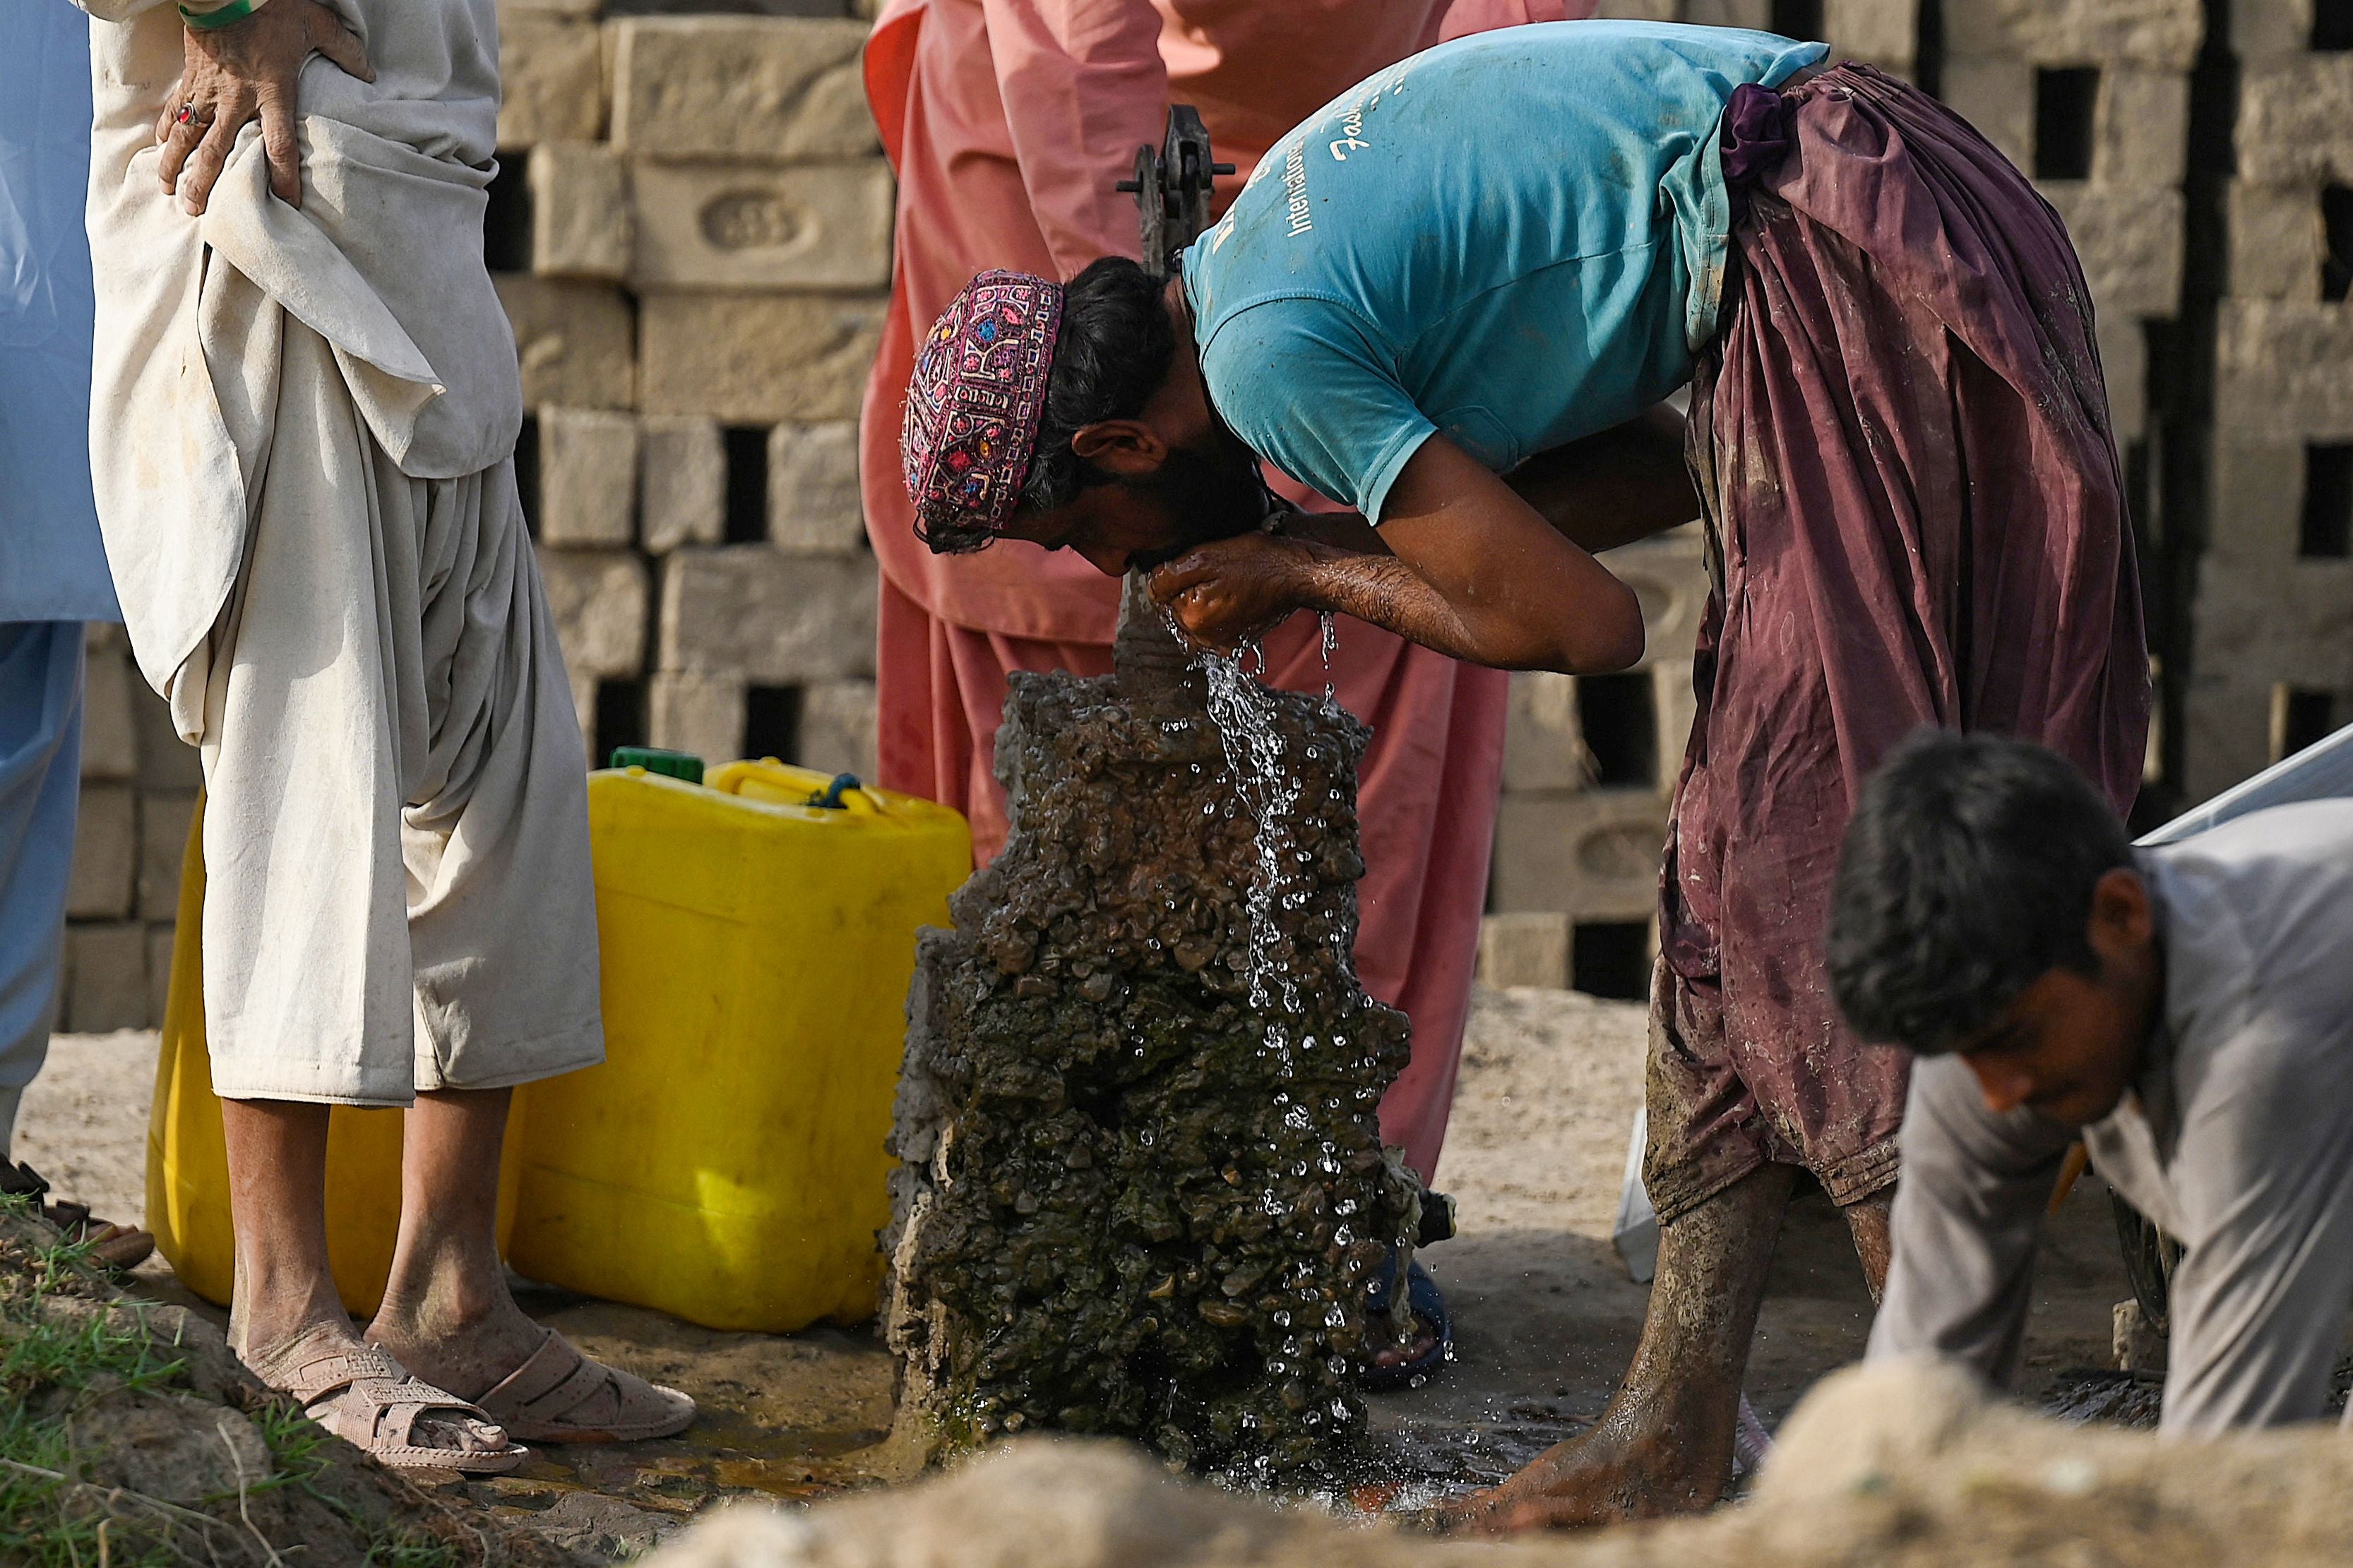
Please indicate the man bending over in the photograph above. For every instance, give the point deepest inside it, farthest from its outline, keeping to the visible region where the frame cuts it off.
(1453, 300)
(2187, 1011)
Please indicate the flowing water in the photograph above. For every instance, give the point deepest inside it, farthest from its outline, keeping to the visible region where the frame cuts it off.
(1269, 788)
(1254, 742)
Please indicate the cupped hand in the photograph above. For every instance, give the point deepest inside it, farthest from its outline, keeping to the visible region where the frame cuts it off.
(234, 73)
(1228, 591)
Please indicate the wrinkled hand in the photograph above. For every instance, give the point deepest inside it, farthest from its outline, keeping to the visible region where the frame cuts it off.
(1228, 591)
(236, 72)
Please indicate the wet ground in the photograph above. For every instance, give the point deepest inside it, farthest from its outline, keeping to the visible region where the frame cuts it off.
(1545, 1316)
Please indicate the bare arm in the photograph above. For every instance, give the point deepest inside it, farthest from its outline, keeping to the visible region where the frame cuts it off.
(1610, 489)
(1615, 487)
(1461, 565)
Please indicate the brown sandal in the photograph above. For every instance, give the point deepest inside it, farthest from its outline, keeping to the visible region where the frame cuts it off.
(558, 1395)
(117, 1248)
(369, 1400)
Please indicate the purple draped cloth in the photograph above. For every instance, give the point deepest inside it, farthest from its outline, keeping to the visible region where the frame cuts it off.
(1916, 516)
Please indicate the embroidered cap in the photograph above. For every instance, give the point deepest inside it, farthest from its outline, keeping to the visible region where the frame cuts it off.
(974, 404)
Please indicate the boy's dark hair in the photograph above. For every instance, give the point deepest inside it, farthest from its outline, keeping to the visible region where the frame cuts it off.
(1110, 355)
(1967, 874)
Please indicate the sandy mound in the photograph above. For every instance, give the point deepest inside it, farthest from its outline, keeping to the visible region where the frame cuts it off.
(1908, 1464)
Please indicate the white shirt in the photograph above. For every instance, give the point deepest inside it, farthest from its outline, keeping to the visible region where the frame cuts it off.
(2236, 1138)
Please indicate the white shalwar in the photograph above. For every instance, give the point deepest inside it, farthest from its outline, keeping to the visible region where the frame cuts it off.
(303, 434)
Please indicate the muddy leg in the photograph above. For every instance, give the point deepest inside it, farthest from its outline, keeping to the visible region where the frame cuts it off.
(1868, 1221)
(1664, 1446)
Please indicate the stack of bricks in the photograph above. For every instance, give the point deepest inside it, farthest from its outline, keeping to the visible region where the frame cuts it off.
(2092, 98)
(2273, 661)
(137, 793)
(1881, 33)
(691, 234)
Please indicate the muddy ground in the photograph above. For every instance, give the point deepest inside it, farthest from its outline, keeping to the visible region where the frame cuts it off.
(1545, 1315)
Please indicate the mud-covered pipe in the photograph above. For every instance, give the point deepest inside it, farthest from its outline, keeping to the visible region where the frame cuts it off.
(1147, 657)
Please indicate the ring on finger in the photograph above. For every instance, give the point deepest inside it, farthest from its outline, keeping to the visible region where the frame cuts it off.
(191, 114)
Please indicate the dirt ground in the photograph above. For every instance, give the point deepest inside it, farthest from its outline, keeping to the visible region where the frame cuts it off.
(1545, 1316)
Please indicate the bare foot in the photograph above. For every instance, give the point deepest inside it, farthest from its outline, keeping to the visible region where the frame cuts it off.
(446, 1313)
(285, 1318)
(532, 1380)
(1632, 1466)
(278, 1366)
(1664, 1446)
(1868, 1221)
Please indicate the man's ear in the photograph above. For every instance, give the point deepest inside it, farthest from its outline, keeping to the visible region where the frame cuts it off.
(2123, 922)
(1128, 449)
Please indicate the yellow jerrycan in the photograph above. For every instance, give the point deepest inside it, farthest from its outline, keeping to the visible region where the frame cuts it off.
(726, 1162)
(187, 1160)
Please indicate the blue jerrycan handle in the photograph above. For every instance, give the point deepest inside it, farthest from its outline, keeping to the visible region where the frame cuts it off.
(829, 797)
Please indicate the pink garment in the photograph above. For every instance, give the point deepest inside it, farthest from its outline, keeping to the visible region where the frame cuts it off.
(1257, 68)
(978, 189)
(1032, 191)
(1008, 122)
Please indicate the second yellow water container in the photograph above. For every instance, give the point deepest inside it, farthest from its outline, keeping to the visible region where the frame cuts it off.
(187, 1156)
(726, 1163)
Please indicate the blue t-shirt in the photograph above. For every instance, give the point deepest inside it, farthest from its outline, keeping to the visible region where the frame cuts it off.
(1517, 238)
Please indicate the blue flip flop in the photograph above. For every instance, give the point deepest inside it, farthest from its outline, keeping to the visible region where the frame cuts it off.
(1427, 1304)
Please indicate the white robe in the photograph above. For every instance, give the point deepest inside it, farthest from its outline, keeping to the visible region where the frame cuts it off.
(302, 429)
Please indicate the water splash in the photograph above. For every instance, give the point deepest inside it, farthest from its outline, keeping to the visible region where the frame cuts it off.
(1328, 640)
(1269, 787)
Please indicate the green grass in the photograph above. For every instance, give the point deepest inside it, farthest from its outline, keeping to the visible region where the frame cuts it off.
(65, 1367)
(411, 1551)
(52, 1371)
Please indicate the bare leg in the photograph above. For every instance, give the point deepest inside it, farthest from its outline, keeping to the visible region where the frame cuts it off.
(284, 1310)
(1664, 1446)
(1868, 1221)
(277, 1198)
(447, 1312)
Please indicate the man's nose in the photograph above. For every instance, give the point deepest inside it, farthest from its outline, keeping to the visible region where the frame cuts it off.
(2004, 1085)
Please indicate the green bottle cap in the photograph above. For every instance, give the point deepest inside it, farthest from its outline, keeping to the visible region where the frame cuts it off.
(683, 765)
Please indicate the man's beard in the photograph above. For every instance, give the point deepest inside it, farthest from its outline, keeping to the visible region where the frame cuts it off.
(1209, 491)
